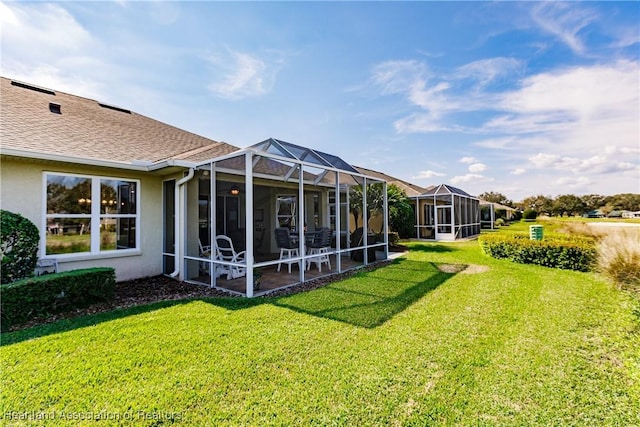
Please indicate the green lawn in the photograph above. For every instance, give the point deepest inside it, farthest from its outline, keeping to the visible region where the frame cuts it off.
(402, 345)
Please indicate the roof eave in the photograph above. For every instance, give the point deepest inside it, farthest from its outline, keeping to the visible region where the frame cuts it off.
(139, 166)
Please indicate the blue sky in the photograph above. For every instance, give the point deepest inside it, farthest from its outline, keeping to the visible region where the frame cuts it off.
(522, 98)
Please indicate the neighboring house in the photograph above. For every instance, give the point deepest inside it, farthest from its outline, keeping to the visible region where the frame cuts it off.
(490, 210)
(597, 213)
(109, 187)
(630, 214)
(618, 214)
(410, 189)
(446, 213)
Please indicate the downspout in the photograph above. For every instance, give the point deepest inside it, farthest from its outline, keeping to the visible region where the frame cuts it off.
(178, 222)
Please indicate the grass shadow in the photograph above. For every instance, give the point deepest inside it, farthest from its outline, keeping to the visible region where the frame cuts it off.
(370, 299)
(430, 247)
(65, 325)
(367, 299)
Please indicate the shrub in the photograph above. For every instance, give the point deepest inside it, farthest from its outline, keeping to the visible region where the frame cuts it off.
(499, 222)
(569, 253)
(402, 219)
(392, 237)
(43, 296)
(619, 257)
(529, 215)
(19, 247)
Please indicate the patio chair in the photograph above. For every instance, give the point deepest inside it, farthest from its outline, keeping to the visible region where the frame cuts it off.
(358, 240)
(205, 252)
(288, 249)
(319, 249)
(226, 252)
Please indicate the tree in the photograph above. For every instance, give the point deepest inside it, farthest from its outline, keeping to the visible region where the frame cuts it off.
(495, 197)
(593, 201)
(624, 201)
(539, 203)
(568, 204)
(401, 215)
(572, 204)
(398, 206)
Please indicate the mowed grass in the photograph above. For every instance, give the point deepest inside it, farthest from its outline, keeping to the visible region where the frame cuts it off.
(401, 345)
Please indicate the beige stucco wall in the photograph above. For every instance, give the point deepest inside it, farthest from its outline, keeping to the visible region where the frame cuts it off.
(21, 191)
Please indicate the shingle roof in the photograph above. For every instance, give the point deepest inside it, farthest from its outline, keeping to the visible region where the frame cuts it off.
(87, 129)
(409, 188)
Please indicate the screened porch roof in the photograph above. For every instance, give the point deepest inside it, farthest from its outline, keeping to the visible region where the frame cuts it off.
(276, 159)
(297, 152)
(445, 189)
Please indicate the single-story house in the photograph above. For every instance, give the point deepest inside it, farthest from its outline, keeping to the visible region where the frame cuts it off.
(631, 214)
(109, 187)
(442, 212)
(617, 214)
(597, 213)
(490, 210)
(446, 213)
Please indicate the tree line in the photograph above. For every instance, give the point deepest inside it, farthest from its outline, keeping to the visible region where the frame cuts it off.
(569, 204)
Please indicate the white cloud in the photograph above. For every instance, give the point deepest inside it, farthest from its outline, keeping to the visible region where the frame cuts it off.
(468, 160)
(575, 184)
(612, 149)
(422, 122)
(427, 174)
(48, 30)
(487, 70)
(587, 113)
(242, 75)
(477, 167)
(399, 76)
(47, 46)
(577, 93)
(569, 112)
(421, 89)
(470, 178)
(624, 36)
(542, 160)
(518, 171)
(598, 164)
(515, 142)
(565, 21)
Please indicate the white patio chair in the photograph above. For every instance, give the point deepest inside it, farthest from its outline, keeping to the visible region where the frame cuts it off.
(226, 252)
(205, 252)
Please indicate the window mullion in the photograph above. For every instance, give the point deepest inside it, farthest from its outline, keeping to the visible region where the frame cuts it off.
(95, 215)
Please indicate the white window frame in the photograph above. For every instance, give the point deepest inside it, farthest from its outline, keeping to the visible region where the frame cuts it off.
(293, 216)
(95, 217)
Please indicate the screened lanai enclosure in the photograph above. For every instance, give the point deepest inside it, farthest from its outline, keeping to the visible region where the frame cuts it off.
(270, 216)
(446, 213)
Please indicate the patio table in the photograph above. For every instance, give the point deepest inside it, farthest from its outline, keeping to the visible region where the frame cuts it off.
(309, 237)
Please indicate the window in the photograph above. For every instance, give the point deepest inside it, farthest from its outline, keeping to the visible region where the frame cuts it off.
(286, 211)
(90, 215)
(333, 209)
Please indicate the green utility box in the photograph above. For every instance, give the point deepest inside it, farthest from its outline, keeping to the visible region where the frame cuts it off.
(535, 232)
